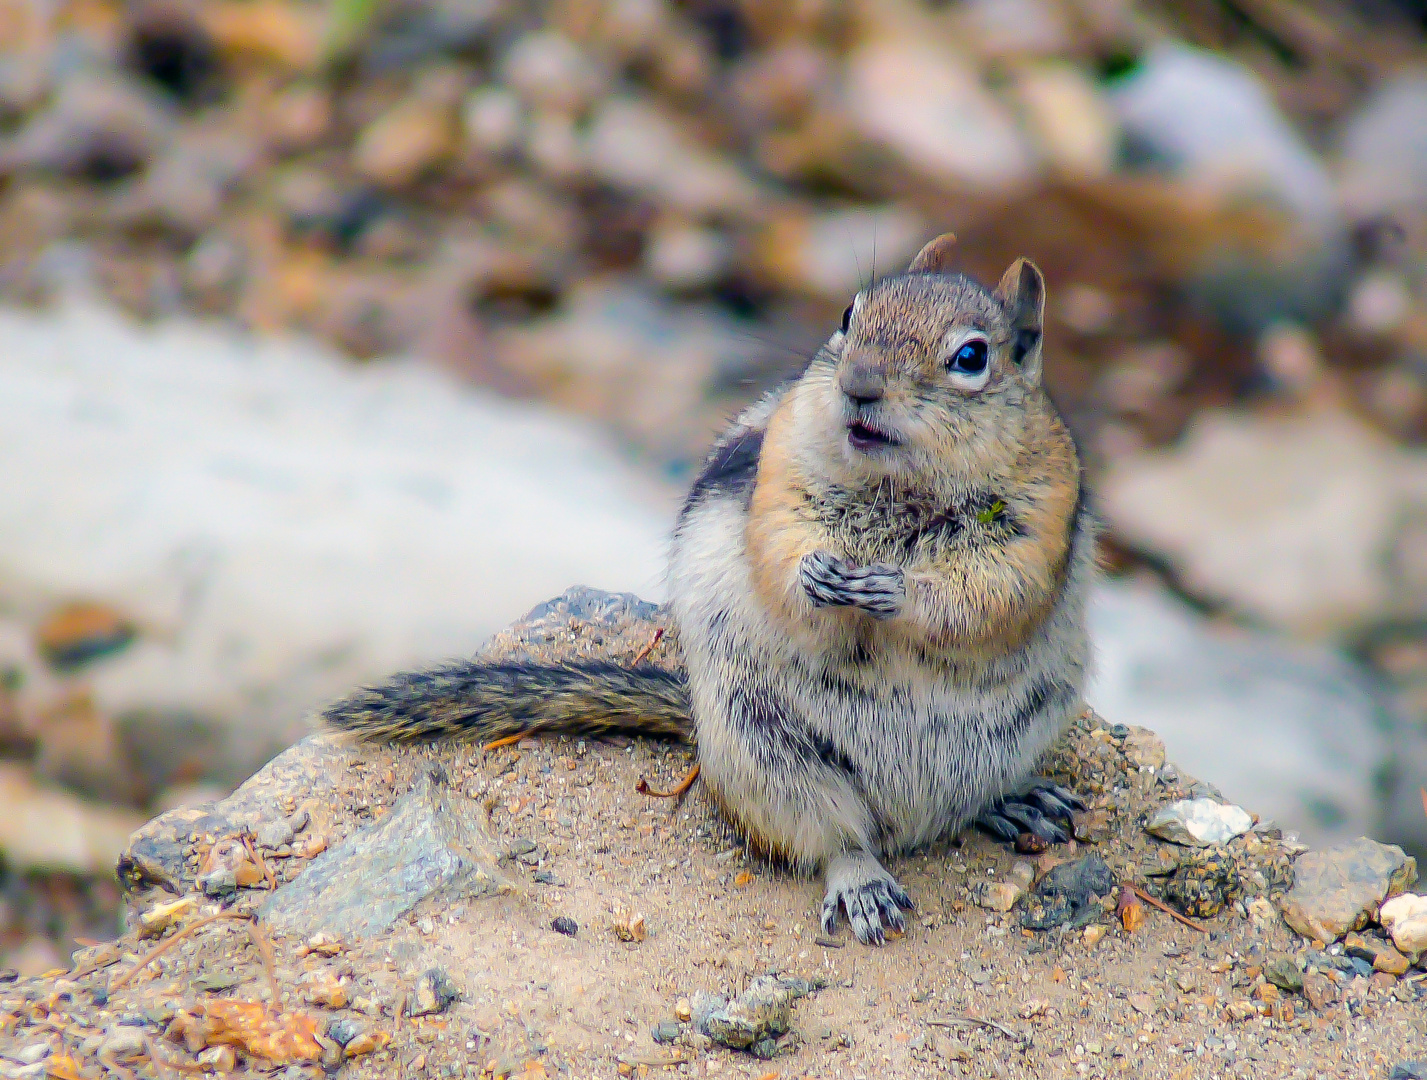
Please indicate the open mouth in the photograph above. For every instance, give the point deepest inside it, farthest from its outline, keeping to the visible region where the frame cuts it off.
(863, 436)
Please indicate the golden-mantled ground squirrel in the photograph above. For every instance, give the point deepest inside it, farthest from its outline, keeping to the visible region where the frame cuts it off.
(879, 583)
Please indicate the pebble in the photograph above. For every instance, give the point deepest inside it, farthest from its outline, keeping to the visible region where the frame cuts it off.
(563, 924)
(1382, 956)
(762, 1012)
(1409, 1070)
(1284, 973)
(629, 926)
(1318, 989)
(343, 1030)
(361, 1044)
(1094, 933)
(1199, 822)
(998, 895)
(1405, 918)
(434, 993)
(274, 834)
(666, 1031)
(219, 1059)
(1067, 893)
(1340, 889)
(1143, 748)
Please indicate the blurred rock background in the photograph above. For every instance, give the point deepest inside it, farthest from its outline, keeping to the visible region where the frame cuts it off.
(602, 226)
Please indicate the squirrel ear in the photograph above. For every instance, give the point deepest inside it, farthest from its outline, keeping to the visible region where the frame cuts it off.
(1022, 296)
(935, 258)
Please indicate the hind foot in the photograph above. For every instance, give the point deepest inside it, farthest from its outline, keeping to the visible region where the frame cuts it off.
(873, 900)
(1034, 809)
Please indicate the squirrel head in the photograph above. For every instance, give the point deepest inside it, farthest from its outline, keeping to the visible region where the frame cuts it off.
(930, 375)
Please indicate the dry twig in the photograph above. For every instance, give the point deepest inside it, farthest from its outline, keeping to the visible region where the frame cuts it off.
(508, 740)
(168, 943)
(644, 652)
(676, 792)
(1160, 905)
(250, 847)
(265, 950)
(962, 1020)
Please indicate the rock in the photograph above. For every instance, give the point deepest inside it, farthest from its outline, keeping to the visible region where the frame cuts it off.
(342, 1030)
(666, 1031)
(123, 1042)
(1383, 149)
(634, 360)
(1319, 990)
(1073, 125)
(563, 924)
(433, 843)
(99, 125)
(1208, 120)
(1199, 822)
(1284, 973)
(273, 834)
(1254, 536)
(401, 145)
(493, 120)
(1094, 934)
(830, 255)
(1382, 956)
(1409, 1070)
(1340, 889)
(1204, 883)
(764, 1010)
(268, 31)
(1068, 894)
(686, 258)
(48, 829)
(434, 994)
(926, 105)
(1294, 731)
(550, 71)
(183, 191)
(634, 147)
(80, 632)
(1405, 918)
(375, 500)
(1143, 749)
(999, 895)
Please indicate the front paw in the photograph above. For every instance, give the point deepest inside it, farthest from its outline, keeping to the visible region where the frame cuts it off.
(829, 581)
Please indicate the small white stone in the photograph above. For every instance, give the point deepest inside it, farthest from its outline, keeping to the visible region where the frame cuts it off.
(1200, 822)
(1405, 918)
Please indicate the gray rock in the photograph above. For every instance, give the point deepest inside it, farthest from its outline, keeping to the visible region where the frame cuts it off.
(434, 994)
(1284, 973)
(666, 1031)
(433, 842)
(1207, 119)
(273, 834)
(1068, 894)
(1340, 889)
(343, 1030)
(1384, 150)
(1297, 732)
(378, 500)
(1199, 822)
(763, 1011)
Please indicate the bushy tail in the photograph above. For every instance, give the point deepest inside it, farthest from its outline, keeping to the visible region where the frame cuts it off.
(476, 702)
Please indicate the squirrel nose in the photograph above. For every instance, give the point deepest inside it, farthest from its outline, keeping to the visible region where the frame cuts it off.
(864, 383)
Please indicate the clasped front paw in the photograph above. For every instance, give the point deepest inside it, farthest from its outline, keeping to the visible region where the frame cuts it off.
(830, 581)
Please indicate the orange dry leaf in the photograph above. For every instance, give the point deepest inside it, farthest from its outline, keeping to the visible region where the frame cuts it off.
(742, 878)
(248, 1026)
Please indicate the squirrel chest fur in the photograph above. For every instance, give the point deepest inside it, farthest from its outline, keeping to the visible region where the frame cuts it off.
(879, 582)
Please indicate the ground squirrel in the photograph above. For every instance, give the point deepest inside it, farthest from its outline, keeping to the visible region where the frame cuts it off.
(879, 582)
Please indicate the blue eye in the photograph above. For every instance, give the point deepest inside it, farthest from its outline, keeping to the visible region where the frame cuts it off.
(969, 359)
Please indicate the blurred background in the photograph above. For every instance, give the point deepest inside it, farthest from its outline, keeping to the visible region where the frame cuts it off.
(334, 334)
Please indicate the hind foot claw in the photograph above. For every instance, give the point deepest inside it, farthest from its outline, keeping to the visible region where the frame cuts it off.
(871, 897)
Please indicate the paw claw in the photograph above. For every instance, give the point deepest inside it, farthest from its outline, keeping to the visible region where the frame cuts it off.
(871, 898)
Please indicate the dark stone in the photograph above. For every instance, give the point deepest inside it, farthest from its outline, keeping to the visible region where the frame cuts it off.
(434, 994)
(1204, 883)
(343, 1030)
(1284, 973)
(666, 1031)
(563, 924)
(1068, 894)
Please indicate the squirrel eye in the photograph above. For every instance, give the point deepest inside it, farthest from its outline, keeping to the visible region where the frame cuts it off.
(970, 359)
(847, 318)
